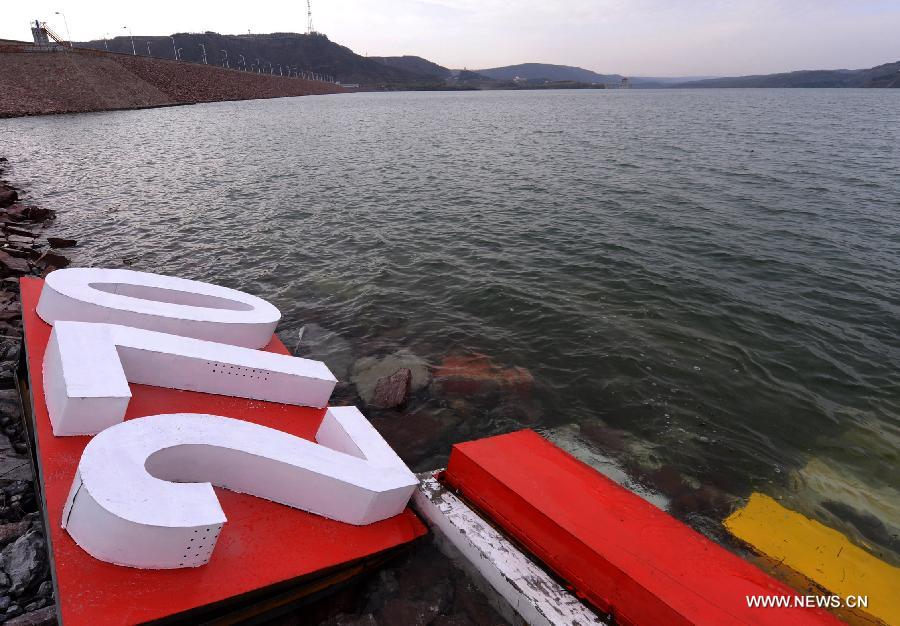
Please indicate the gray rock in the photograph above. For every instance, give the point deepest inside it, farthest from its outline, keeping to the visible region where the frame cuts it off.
(11, 532)
(13, 465)
(354, 620)
(392, 391)
(46, 589)
(42, 617)
(5, 601)
(24, 561)
(367, 371)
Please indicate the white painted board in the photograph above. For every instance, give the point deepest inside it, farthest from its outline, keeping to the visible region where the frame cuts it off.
(517, 587)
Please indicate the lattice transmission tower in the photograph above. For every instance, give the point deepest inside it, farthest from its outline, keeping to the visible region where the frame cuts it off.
(309, 25)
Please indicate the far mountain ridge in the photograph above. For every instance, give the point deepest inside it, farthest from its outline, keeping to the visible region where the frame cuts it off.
(549, 72)
(886, 75)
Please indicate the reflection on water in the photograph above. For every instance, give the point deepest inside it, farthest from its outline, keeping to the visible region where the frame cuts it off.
(707, 279)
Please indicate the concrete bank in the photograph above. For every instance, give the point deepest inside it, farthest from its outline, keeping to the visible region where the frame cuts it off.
(77, 81)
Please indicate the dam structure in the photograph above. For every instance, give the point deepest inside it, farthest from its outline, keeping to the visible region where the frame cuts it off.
(50, 76)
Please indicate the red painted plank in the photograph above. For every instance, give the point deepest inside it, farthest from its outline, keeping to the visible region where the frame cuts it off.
(262, 544)
(618, 552)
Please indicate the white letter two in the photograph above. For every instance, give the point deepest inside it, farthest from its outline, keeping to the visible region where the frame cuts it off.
(124, 507)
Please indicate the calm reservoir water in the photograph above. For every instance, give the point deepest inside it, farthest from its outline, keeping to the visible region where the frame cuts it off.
(710, 280)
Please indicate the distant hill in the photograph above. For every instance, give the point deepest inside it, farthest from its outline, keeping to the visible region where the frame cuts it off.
(416, 65)
(544, 71)
(887, 75)
(313, 53)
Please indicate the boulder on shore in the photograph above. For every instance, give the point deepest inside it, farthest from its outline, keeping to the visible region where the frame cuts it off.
(392, 391)
(24, 561)
(11, 266)
(52, 261)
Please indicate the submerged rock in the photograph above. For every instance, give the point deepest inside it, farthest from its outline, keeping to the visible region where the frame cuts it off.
(8, 196)
(38, 214)
(867, 524)
(571, 439)
(321, 344)
(413, 436)
(477, 374)
(864, 508)
(392, 391)
(368, 371)
(61, 242)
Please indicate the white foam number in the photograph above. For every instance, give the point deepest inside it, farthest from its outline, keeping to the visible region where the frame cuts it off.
(124, 508)
(87, 368)
(170, 305)
(116, 326)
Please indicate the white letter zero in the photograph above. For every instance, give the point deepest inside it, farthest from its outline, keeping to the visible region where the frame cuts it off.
(87, 368)
(123, 509)
(162, 303)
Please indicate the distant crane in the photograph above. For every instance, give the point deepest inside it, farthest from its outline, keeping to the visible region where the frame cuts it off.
(42, 34)
(309, 24)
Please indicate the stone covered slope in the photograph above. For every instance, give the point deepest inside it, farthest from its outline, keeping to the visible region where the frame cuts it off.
(33, 83)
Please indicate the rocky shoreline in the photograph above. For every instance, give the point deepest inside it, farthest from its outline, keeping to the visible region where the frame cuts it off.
(26, 590)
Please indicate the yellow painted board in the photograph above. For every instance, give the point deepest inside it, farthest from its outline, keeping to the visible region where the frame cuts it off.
(819, 553)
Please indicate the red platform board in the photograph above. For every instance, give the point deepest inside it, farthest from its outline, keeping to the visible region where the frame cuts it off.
(618, 551)
(262, 546)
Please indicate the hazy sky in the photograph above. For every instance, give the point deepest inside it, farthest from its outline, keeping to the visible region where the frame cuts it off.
(634, 37)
